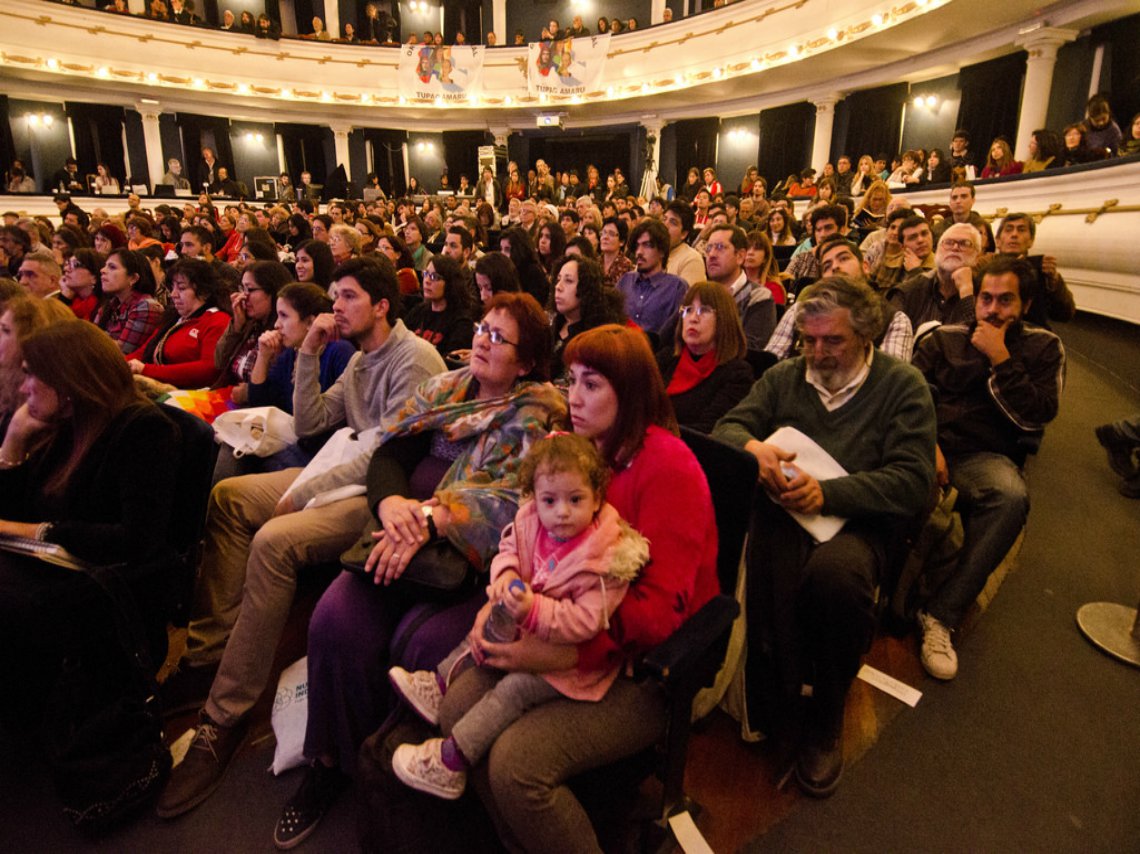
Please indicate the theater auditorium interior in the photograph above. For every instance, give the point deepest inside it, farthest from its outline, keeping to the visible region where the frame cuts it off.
(316, 106)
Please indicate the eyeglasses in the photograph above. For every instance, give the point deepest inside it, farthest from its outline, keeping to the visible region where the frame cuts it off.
(697, 310)
(495, 335)
(719, 247)
(431, 276)
(951, 243)
(248, 291)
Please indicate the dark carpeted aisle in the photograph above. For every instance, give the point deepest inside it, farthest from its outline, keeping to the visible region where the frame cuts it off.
(1036, 745)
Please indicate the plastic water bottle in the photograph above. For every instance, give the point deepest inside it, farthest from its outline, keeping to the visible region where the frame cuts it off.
(501, 626)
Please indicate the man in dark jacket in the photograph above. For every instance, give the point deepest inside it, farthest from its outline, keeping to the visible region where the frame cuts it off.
(996, 383)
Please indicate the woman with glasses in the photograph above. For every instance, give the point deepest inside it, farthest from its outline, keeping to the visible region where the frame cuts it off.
(611, 250)
(253, 314)
(704, 369)
(80, 288)
(445, 470)
(181, 351)
(444, 317)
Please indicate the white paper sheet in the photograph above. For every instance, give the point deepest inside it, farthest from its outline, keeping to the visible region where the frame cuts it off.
(817, 462)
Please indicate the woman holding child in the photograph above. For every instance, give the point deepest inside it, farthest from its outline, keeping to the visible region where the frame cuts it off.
(455, 448)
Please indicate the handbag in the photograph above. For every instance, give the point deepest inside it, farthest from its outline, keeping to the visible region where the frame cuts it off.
(108, 757)
(261, 430)
(437, 571)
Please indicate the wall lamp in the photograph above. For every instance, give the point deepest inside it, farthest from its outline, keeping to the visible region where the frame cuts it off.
(37, 119)
(928, 101)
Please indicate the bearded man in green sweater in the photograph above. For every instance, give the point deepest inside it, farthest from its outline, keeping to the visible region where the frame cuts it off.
(810, 607)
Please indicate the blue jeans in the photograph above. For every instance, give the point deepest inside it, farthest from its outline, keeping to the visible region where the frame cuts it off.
(994, 502)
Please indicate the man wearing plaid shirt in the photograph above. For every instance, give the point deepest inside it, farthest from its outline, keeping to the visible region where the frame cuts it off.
(838, 256)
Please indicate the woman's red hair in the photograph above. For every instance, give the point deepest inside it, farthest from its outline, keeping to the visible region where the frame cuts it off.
(621, 354)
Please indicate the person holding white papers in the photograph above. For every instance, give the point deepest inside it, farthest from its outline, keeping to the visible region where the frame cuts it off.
(810, 608)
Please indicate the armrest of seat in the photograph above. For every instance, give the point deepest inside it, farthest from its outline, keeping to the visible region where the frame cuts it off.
(684, 656)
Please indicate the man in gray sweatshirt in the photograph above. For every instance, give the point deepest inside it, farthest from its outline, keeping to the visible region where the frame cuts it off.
(259, 533)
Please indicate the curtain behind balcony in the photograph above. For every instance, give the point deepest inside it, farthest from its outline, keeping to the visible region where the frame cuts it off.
(785, 141)
(991, 100)
(98, 131)
(695, 144)
(874, 122)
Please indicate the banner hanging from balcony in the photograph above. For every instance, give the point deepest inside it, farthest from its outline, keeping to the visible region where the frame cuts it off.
(450, 73)
(570, 66)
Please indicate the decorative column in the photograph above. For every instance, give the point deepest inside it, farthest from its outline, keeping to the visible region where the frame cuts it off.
(332, 19)
(152, 137)
(499, 21)
(341, 130)
(1042, 46)
(824, 122)
(136, 7)
(657, 11)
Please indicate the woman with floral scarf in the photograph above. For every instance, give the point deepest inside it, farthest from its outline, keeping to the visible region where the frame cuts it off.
(454, 448)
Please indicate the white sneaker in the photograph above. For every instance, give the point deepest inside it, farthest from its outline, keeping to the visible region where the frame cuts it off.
(421, 689)
(421, 767)
(938, 656)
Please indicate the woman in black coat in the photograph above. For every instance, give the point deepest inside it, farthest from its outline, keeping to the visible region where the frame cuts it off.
(89, 465)
(705, 371)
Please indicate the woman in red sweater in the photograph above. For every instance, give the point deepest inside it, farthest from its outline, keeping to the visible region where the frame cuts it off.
(618, 400)
(181, 352)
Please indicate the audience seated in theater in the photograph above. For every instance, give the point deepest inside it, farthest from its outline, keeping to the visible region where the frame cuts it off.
(581, 302)
(444, 318)
(1053, 300)
(495, 274)
(908, 172)
(20, 317)
(651, 295)
(888, 271)
(414, 235)
(129, 314)
(684, 261)
(271, 382)
(514, 243)
(1077, 150)
(761, 268)
(961, 204)
(825, 221)
(313, 263)
(871, 212)
(456, 447)
(1046, 151)
(86, 464)
(997, 382)
(550, 245)
(916, 243)
(618, 401)
(252, 309)
(1001, 161)
(181, 350)
(344, 243)
(946, 293)
(1131, 142)
(1102, 133)
(40, 274)
(395, 250)
(811, 608)
(725, 254)
(838, 256)
(260, 532)
(937, 167)
(779, 228)
(703, 367)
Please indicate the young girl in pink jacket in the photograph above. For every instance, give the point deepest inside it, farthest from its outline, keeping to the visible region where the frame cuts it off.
(562, 569)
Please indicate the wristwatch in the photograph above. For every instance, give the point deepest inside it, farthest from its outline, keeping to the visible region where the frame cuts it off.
(432, 532)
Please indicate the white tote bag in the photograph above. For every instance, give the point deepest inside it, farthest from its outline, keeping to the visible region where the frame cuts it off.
(261, 430)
